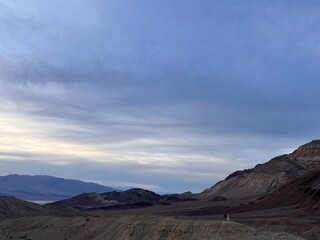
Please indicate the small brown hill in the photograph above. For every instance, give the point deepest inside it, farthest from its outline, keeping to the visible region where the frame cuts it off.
(11, 207)
(132, 196)
(129, 197)
(85, 199)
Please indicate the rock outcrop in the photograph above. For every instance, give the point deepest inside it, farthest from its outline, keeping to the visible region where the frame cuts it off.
(309, 154)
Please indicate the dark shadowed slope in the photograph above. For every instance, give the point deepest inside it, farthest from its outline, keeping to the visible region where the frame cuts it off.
(11, 207)
(83, 200)
(135, 197)
(131, 196)
(265, 178)
(303, 191)
(46, 187)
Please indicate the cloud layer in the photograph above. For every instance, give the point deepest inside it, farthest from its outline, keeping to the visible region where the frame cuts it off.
(172, 95)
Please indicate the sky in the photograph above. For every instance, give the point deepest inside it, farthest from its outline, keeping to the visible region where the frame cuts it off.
(165, 95)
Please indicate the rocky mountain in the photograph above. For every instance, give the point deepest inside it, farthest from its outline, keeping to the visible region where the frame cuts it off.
(45, 188)
(263, 179)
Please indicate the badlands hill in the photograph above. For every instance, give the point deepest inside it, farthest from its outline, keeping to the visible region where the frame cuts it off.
(265, 178)
(46, 188)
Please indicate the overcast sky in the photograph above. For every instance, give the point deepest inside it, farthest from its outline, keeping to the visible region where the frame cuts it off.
(169, 95)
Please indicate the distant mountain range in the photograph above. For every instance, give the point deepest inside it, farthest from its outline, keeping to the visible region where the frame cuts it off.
(46, 188)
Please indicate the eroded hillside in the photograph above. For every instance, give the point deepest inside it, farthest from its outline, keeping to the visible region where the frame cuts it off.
(130, 228)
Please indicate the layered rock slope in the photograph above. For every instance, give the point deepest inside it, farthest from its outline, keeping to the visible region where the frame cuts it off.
(303, 191)
(265, 178)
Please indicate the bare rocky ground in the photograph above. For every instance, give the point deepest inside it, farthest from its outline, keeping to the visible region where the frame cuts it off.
(181, 221)
(129, 228)
(194, 220)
